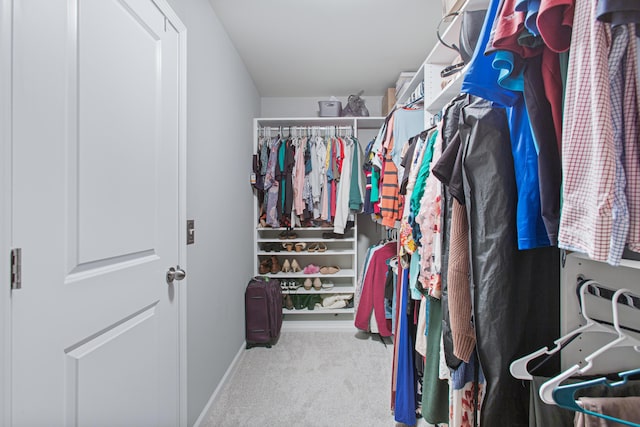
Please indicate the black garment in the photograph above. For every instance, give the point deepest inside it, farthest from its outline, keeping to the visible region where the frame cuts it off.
(549, 164)
(284, 175)
(618, 12)
(504, 281)
(407, 163)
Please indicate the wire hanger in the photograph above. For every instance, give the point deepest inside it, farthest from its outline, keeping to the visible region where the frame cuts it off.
(518, 367)
(623, 340)
(564, 395)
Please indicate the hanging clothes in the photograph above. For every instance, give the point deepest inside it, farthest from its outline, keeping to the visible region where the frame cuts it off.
(588, 138)
(298, 179)
(405, 404)
(373, 289)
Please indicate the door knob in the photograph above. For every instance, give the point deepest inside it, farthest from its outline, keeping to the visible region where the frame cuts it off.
(175, 274)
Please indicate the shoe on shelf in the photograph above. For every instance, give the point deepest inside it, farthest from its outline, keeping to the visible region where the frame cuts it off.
(288, 246)
(295, 267)
(268, 247)
(332, 235)
(293, 285)
(332, 269)
(300, 246)
(275, 264)
(313, 247)
(313, 300)
(265, 266)
(286, 266)
(327, 285)
(307, 284)
(311, 269)
(317, 284)
(288, 302)
(300, 302)
(322, 247)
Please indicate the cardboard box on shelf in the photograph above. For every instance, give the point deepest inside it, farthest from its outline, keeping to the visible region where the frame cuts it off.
(388, 101)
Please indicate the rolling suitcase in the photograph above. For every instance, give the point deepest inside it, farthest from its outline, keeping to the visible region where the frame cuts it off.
(263, 311)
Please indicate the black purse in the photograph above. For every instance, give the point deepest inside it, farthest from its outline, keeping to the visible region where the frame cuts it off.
(470, 28)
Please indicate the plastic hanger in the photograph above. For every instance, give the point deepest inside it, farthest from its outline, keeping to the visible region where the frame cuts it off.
(564, 395)
(623, 340)
(518, 367)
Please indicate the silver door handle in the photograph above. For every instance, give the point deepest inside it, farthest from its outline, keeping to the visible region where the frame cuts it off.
(175, 274)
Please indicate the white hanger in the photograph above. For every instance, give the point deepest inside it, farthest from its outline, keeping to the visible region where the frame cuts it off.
(623, 340)
(518, 367)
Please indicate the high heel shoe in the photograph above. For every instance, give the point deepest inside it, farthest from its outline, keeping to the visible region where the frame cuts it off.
(295, 267)
(286, 267)
(275, 264)
(317, 284)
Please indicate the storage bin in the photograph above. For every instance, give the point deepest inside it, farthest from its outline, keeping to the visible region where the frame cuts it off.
(330, 108)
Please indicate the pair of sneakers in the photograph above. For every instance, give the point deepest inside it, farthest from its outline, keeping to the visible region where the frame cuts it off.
(289, 285)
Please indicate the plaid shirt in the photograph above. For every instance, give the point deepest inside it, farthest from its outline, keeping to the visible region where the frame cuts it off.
(588, 152)
(600, 155)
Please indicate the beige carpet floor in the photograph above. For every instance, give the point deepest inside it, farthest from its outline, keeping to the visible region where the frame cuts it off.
(336, 379)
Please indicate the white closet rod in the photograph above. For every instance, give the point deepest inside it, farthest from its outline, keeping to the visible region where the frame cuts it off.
(304, 129)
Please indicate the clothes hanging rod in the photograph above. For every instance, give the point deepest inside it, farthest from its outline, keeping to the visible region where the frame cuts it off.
(596, 289)
(306, 127)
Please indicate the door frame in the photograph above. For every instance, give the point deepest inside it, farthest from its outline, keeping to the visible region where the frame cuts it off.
(181, 29)
(6, 57)
(6, 31)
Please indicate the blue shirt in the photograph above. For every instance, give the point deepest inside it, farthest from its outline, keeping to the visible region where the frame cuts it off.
(483, 80)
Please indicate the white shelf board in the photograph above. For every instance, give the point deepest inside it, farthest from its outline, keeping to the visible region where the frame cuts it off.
(260, 228)
(450, 91)
(305, 121)
(301, 275)
(370, 122)
(287, 254)
(337, 289)
(403, 96)
(304, 239)
(319, 311)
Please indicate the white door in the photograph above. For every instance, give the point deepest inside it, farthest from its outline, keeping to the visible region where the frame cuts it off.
(95, 184)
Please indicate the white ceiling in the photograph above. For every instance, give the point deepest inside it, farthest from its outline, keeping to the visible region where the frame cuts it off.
(334, 47)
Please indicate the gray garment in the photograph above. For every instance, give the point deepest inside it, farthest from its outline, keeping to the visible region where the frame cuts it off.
(621, 408)
(543, 415)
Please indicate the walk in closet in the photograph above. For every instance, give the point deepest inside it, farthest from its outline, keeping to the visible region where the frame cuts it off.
(315, 260)
(490, 295)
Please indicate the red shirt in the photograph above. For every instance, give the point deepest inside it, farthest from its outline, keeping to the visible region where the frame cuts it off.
(555, 21)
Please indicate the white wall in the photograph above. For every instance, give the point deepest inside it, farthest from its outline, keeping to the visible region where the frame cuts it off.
(308, 106)
(222, 100)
